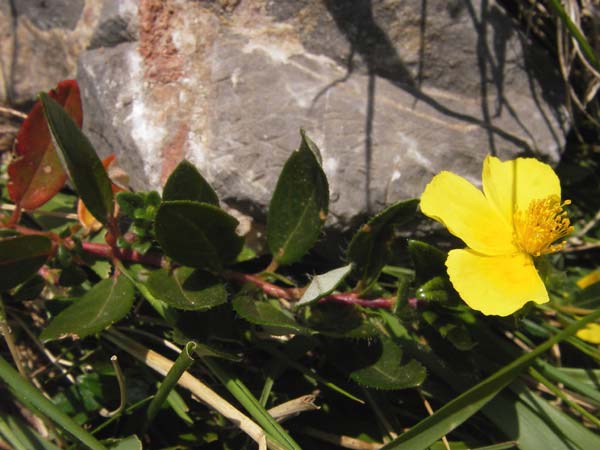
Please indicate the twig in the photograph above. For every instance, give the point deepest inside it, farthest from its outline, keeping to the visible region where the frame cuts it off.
(574, 310)
(518, 342)
(41, 212)
(430, 412)
(580, 248)
(588, 226)
(12, 112)
(170, 345)
(340, 440)
(389, 429)
(56, 362)
(162, 365)
(294, 407)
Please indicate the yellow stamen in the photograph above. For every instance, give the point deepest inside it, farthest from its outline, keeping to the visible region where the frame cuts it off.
(542, 224)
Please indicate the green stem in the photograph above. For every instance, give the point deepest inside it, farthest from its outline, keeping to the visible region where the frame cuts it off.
(122, 391)
(26, 393)
(182, 363)
(266, 390)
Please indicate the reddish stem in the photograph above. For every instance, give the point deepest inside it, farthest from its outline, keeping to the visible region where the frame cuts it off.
(289, 294)
(106, 251)
(353, 299)
(49, 234)
(293, 294)
(268, 288)
(14, 217)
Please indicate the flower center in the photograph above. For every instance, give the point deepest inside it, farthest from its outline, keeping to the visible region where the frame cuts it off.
(542, 224)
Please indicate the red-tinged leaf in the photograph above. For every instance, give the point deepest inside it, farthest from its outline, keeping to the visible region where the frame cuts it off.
(37, 174)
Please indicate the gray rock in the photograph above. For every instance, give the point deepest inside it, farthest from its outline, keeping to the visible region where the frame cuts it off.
(117, 24)
(391, 93)
(40, 42)
(47, 14)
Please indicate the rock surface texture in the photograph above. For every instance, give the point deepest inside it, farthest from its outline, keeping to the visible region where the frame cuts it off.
(41, 40)
(391, 90)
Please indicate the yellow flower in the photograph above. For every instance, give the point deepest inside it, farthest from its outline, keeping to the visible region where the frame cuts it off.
(518, 216)
(591, 333)
(589, 279)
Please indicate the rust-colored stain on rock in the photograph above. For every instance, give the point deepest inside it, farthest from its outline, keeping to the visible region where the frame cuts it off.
(162, 62)
(173, 152)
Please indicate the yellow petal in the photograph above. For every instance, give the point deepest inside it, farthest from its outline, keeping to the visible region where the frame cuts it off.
(591, 333)
(512, 185)
(495, 285)
(467, 214)
(86, 219)
(589, 279)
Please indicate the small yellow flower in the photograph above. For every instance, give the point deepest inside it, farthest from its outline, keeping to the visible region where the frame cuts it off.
(591, 333)
(589, 279)
(518, 216)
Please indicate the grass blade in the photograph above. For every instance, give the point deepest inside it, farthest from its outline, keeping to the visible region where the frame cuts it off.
(585, 46)
(29, 395)
(182, 363)
(454, 413)
(256, 410)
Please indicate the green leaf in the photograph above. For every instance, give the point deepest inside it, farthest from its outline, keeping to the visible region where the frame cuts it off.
(197, 234)
(339, 320)
(187, 288)
(214, 352)
(129, 202)
(437, 289)
(388, 373)
(21, 257)
(80, 160)
(299, 205)
(104, 304)
(373, 245)
(324, 284)
(458, 410)
(31, 289)
(129, 443)
(186, 183)
(179, 407)
(458, 335)
(428, 261)
(265, 314)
